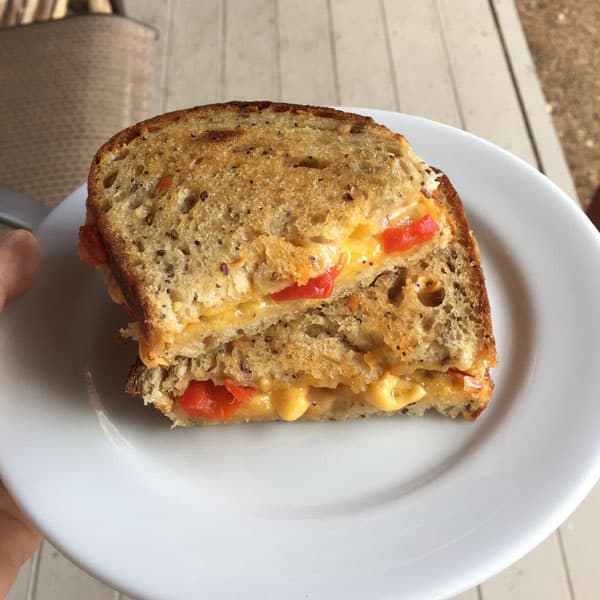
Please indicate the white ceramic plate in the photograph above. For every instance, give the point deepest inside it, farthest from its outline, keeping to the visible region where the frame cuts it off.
(389, 508)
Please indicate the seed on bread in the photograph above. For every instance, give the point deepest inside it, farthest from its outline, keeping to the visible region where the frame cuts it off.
(163, 185)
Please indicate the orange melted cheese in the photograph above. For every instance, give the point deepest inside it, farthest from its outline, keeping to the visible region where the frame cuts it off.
(390, 394)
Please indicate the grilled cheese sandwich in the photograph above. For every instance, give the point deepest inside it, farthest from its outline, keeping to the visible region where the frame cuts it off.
(417, 337)
(285, 262)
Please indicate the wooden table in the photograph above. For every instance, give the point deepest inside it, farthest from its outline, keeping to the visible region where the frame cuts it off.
(462, 62)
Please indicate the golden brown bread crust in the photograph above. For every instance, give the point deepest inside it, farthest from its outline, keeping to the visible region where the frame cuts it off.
(397, 323)
(349, 351)
(287, 255)
(468, 241)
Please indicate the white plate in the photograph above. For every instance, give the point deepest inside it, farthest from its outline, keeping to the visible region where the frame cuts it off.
(390, 508)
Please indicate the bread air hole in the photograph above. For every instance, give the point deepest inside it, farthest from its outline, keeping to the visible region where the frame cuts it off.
(460, 290)
(175, 297)
(430, 292)
(427, 323)
(312, 163)
(186, 202)
(318, 219)
(110, 179)
(124, 153)
(396, 291)
(319, 239)
(314, 331)
(307, 162)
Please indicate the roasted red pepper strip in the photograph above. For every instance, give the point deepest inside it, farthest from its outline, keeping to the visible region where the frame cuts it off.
(396, 239)
(91, 249)
(209, 401)
(241, 394)
(320, 286)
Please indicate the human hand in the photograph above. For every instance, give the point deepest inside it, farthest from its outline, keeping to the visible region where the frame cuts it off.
(19, 262)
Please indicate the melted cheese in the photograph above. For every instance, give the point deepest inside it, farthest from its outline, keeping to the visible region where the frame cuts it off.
(290, 404)
(389, 394)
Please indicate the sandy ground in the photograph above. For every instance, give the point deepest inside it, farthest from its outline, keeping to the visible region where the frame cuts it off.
(564, 39)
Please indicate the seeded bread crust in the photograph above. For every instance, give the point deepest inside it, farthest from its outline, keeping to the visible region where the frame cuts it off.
(433, 315)
(199, 191)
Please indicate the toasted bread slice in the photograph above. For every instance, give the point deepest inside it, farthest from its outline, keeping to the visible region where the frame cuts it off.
(206, 215)
(421, 333)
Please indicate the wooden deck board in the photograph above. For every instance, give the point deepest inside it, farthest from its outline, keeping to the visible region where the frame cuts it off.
(20, 589)
(540, 127)
(251, 64)
(362, 60)
(540, 574)
(580, 537)
(193, 62)
(59, 579)
(307, 69)
(431, 94)
(486, 95)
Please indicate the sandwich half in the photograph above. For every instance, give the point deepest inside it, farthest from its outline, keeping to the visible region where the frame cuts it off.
(212, 224)
(417, 336)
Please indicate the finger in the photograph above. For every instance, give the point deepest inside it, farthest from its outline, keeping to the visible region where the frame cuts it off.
(18, 540)
(19, 263)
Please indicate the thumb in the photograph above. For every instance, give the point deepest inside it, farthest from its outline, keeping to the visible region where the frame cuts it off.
(19, 263)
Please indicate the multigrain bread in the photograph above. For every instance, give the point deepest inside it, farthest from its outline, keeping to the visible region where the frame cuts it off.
(205, 213)
(427, 325)
(287, 262)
